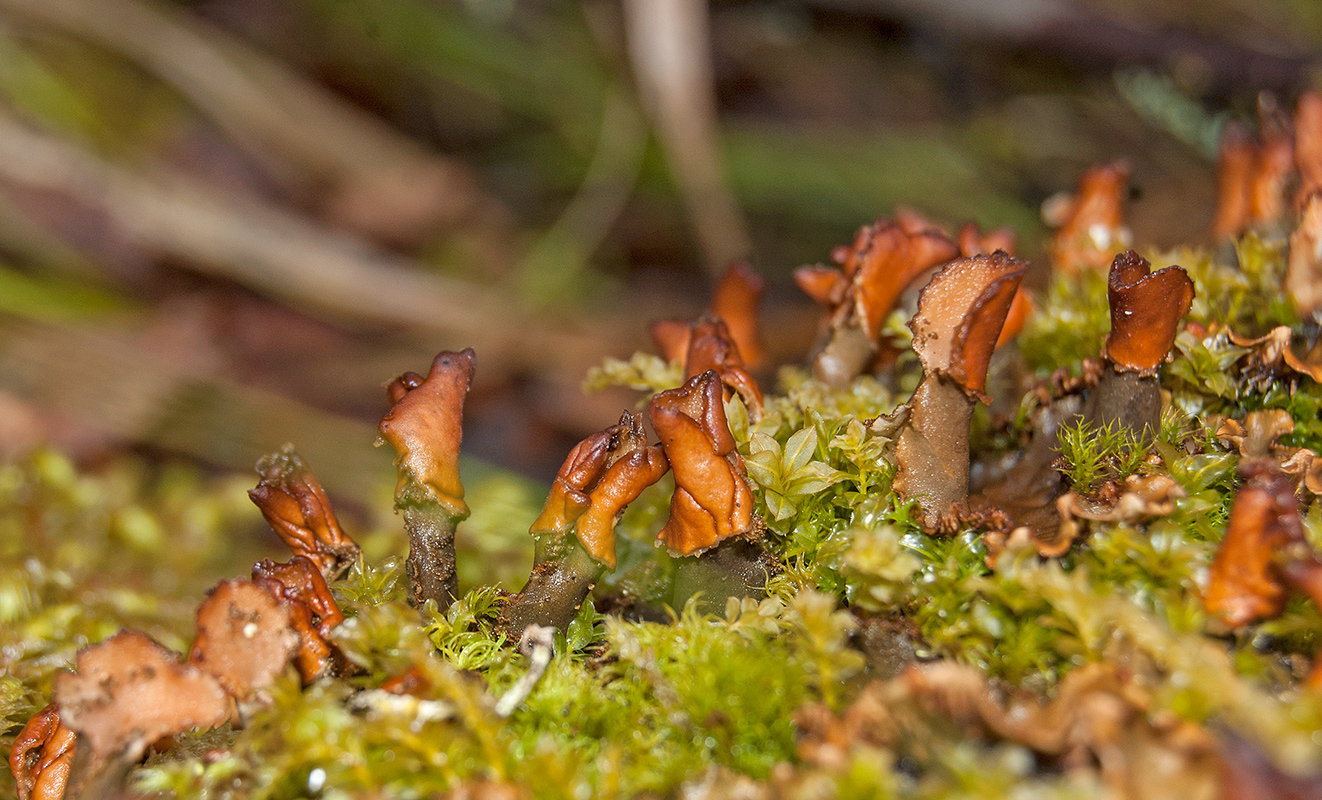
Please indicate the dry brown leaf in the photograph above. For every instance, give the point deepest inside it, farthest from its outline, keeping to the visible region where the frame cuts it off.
(1256, 436)
(1142, 498)
(1100, 719)
(1271, 354)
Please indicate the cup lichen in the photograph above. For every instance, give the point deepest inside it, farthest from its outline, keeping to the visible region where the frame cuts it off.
(848, 647)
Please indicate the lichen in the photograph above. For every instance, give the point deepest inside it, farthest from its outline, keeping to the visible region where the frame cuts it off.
(629, 707)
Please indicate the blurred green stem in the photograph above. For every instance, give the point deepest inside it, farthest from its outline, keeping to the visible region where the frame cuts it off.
(553, 270)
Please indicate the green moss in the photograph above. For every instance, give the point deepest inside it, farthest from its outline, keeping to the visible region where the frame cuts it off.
(1092, 455)
(878, 569)
(1246, 294)
(1071, 324)
(643, 372)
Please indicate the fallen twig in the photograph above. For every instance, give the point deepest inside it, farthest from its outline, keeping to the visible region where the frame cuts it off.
(379, 181)
(669, 46)
(279, 253)
(538, 644)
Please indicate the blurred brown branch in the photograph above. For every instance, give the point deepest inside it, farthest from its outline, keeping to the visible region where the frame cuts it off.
(670, 49)
(280, 253)
(100, 386)
(360, 173)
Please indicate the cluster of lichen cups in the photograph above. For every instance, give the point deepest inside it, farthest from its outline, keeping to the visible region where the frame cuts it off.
(249, 630)
(575, 533)
(130, 692)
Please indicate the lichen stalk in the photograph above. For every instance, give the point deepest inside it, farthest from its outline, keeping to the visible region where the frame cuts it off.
(733, 568)
(932, 450)
(431, 565)
(844, 356)
(1127, 400)
(95, 778)
(425, 426)
(575, 532)
(960, 316)
(563, 574)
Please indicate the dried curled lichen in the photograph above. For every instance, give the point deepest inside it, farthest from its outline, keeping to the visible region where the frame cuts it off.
(1146, 309)
(713, 500)
(1109, 668)
(292, 500)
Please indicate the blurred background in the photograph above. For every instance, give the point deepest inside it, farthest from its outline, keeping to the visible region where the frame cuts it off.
(224, 224)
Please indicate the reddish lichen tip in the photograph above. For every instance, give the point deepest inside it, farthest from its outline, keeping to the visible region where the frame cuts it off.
(1245, 581)
(713, 500)
(960, 316)
(425, 426)
(1146, 309)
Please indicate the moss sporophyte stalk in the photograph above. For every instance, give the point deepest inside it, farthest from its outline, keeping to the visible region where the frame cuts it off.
(979, 542)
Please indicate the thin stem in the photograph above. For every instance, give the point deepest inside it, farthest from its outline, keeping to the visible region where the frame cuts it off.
(844, 356)
(562, 575)
(733, 568)
(92, 776)
(431, 562)
(933, 447)
(538, 644)
(1127, 401)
